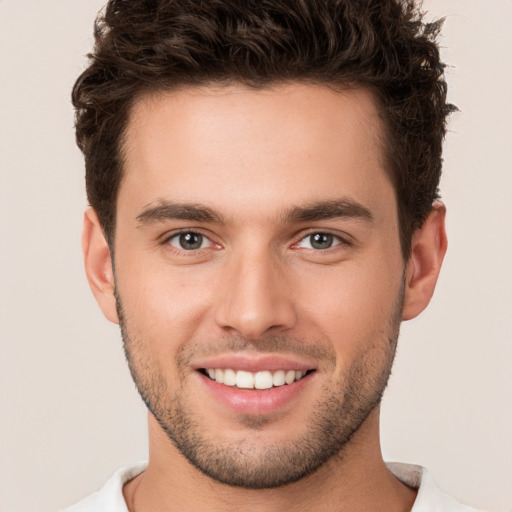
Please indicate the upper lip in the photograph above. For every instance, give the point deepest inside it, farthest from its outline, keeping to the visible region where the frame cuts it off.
(254, 363)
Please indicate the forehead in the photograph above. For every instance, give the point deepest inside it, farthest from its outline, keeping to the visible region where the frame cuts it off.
(251, 149)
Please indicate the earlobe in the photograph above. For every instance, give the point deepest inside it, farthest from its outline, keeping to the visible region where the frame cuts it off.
(98, 265)
(428, 248)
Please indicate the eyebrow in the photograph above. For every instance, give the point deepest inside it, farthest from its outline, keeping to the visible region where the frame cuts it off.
(167, 210)
(321, 210)
(324, 210)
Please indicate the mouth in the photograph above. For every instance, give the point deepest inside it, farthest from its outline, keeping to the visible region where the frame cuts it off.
(261, 380)
(256, 384)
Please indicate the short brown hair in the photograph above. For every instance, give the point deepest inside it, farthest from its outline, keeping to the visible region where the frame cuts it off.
(384, 45)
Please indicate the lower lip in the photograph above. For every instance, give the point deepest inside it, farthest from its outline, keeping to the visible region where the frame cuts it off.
(252, 401)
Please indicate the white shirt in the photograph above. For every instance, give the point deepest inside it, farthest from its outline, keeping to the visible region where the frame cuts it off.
(429, 499)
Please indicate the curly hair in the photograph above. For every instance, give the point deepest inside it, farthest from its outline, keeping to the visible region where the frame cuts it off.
(382, 45)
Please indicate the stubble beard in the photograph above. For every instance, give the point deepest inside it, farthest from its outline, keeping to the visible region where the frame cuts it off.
(339, 412)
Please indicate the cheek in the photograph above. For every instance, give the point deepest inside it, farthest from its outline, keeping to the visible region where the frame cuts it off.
(351, 305)
(162, 304)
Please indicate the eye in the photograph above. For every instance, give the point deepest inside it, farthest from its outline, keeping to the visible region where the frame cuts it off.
(319, 241)
(189, 241)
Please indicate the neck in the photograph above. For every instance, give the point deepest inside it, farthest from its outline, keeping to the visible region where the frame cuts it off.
(356, 479)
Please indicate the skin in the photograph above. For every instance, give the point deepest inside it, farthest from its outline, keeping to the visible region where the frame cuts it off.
(252, 157)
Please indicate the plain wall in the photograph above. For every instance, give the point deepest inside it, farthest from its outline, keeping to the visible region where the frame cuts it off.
(70, 414)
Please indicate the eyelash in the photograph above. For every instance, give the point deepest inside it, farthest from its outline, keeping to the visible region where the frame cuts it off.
(177, 234)
(339, 241)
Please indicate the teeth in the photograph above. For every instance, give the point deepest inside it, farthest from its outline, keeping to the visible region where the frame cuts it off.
(263, 380)
(229, 377)
(278, 378)
(290, 376)
(258, 380)
(243, 379)
(219, 376)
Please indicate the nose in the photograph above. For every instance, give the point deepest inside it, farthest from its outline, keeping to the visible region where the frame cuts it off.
(255, 299)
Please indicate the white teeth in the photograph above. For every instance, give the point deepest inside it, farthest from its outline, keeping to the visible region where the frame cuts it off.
(244, 379)
(289, 377)
(278, 378)
(259, 380)
(263, 380)
(229, 377)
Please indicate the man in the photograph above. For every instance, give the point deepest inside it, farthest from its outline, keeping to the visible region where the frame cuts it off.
(263, 186)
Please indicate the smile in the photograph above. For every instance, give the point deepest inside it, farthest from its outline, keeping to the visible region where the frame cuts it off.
(254, 380)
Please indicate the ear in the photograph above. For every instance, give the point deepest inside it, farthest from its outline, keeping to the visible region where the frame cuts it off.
(429, 246)
(98, 265)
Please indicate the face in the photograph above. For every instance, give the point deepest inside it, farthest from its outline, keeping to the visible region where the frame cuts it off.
(258, 274)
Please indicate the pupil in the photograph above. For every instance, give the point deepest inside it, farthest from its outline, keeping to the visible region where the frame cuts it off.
(191, 240)
(321, 241)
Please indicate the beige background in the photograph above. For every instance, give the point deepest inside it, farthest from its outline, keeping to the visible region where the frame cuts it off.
(69, 412)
